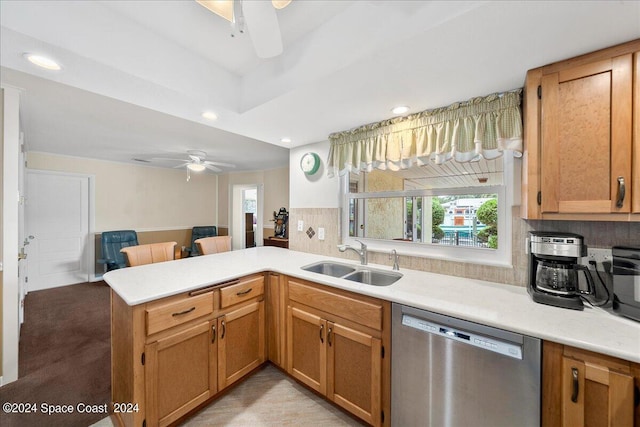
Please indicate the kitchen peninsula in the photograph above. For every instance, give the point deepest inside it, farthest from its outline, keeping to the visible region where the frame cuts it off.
(169, 315)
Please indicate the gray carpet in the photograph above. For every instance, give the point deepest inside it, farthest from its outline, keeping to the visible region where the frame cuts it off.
(64, 356)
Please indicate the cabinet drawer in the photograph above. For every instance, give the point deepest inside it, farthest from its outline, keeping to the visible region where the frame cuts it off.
(247, 288)
(164, 316)
(348, 307)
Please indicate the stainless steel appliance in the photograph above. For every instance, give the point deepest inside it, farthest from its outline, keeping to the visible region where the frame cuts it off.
(451, 372)
(626, 281)
(556, 276)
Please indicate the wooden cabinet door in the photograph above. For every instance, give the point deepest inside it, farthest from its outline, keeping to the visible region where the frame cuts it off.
(586, 137)
(179, 374)
(594, 395)
(306, 354)
(241, 342)
(354, 372)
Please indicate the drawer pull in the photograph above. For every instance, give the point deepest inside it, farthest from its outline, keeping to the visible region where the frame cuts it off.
(244, 292)
(576, 385)
(224, 329)
(321, 337)
(213, 334)
(329, 336)
(184, 312)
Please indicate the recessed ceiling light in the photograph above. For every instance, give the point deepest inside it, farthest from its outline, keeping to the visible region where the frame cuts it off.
(210, 115)
(196, 167)
(285, 140)
(400, 109)
(42, 61)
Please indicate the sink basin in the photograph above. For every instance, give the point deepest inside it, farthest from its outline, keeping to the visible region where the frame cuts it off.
(373, 277)
(329, 268)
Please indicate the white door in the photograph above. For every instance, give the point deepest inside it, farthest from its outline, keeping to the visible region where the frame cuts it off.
(57, 216)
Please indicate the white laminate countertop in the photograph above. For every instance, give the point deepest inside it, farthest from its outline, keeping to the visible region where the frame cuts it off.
(499, 305)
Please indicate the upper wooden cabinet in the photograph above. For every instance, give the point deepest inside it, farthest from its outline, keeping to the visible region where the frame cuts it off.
(581, 137)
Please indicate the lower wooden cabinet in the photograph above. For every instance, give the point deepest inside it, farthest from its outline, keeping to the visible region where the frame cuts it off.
(337, 357)
(582, 388)
(241, 342)
(180, 373)
(172, 355)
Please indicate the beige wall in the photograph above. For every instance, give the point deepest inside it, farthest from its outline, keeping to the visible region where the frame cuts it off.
(140, 197)
(276, 192)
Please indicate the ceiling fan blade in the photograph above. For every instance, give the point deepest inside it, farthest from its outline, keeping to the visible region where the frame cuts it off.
(194, 158)
(213, 168)
(226, 165)
(166, 158)
(181, 166)
(264, 30)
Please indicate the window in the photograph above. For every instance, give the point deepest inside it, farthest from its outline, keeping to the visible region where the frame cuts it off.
(442, 211)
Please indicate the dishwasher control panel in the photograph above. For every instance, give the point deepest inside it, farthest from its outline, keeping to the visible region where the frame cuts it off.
(487, 343)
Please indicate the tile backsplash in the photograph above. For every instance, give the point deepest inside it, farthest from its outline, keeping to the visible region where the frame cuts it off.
(596, 234)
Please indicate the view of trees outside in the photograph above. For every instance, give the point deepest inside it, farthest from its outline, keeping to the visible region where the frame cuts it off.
(467, 220)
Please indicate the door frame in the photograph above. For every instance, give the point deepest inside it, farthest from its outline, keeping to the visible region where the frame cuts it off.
(236, 214)
(90, 244)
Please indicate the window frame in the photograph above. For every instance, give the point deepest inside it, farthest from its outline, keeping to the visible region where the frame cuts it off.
(508, 196)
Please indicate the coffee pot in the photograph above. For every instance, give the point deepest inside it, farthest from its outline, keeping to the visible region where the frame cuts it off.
(561, 278)
(556, 276)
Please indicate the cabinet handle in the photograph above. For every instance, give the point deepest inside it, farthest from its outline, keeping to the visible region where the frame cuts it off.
(224, 329)
(213, 334)
(576, 385)
(244, 292)
(621, 191)
(321, 337)
(329, 337)
(184, 312)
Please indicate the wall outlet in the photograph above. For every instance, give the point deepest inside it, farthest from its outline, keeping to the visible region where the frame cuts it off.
(321, 233)
(300, 225)
(599, 255)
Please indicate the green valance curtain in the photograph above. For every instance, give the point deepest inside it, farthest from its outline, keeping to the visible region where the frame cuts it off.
(463, 132)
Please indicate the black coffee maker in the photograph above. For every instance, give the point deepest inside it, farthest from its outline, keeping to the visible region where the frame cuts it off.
(555, 272)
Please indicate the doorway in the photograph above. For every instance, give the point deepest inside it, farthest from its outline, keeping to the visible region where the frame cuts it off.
(246, 216)
(57, 229)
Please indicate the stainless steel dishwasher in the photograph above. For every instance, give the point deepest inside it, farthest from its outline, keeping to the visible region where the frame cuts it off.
(447, 372)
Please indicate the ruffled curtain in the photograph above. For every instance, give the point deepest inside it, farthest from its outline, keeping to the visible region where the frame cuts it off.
(463, 132)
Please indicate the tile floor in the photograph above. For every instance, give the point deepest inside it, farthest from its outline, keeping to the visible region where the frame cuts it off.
(267, 398)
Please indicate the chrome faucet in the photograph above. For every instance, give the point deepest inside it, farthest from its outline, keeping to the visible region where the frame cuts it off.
(362, 252)
(396, 259)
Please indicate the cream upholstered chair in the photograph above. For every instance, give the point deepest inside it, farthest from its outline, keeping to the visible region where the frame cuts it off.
(148, 254)
(213, 245)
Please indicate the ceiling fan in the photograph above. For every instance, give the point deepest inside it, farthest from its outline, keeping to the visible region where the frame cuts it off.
(259, 17)
(195, 161)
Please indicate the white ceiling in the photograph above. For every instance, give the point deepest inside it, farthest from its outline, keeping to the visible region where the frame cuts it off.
(137, 74)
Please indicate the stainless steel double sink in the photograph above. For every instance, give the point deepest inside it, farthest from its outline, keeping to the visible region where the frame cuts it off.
(360, 274)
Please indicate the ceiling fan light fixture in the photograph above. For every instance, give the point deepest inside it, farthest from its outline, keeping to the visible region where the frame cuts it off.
(42, 61)
(223, 8)
(280, 4)
(195, 167)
